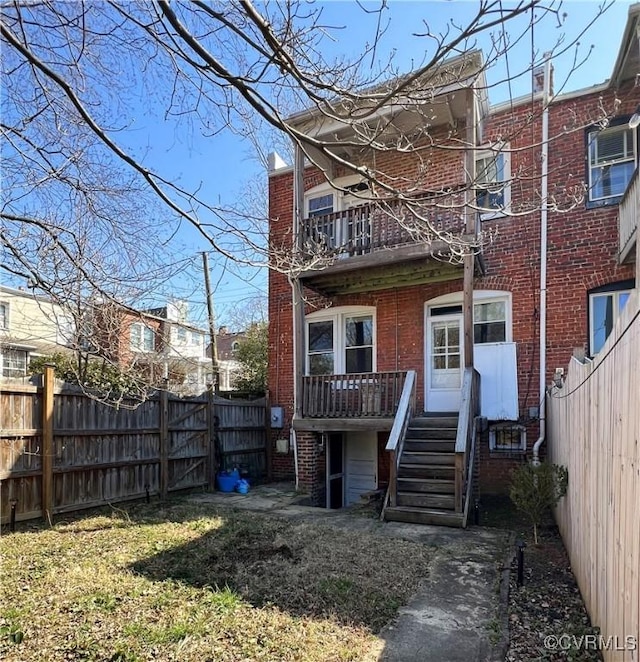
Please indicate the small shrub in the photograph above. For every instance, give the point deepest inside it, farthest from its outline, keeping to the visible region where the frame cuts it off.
(536, 489)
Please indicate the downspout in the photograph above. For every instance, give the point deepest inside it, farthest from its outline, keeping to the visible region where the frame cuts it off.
(296, 298)
(544, 183)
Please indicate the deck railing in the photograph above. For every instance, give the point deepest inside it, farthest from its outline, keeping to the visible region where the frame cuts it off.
(628, 216)
(395, 444)
(369, 228)
(466, 441)
(369, 394)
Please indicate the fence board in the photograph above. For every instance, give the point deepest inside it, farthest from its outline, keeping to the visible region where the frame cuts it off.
(594, 430)
(242, 435)
(102, 454)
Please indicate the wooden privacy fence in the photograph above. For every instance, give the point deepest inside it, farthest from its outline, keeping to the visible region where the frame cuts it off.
(594, 430)
(61, 450)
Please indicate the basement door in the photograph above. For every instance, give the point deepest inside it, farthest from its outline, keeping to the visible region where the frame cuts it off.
(444, 359)
(361, 464)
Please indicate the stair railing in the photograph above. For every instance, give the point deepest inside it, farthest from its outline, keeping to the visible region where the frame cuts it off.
(465, 439)
(406, 407)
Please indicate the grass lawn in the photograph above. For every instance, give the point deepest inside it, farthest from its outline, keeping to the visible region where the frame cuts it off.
(180, 581)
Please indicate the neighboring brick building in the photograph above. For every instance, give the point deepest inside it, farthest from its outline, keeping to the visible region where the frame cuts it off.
(156, 343)
(378, 303)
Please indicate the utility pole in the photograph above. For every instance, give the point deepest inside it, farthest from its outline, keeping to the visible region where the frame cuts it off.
(212, 324)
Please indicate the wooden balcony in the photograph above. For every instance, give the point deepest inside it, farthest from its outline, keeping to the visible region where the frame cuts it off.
(370, 248)
(353, 401)
(628, 221)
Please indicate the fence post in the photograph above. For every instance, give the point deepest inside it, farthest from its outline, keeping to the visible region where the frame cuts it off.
(164, 442)
(48, 384)
(267, 442)
(211, 441)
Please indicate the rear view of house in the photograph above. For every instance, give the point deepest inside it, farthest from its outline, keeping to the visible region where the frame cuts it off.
(426, 308)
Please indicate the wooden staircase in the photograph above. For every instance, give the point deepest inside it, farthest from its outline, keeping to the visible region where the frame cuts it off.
(426, 473)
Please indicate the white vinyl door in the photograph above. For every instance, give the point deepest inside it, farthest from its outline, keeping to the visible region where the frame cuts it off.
(444, 359)
(361, 464)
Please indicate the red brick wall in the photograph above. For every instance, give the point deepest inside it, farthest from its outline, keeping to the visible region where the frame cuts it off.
(582, 254)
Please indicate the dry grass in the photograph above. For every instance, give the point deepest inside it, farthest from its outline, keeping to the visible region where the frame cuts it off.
(177, 581)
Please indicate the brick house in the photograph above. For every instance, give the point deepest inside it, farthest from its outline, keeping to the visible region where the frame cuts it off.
(155, 343)
(403, 368)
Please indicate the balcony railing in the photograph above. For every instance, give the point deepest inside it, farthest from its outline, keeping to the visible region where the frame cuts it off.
(370, 394)
(369, 228)
(628, 217)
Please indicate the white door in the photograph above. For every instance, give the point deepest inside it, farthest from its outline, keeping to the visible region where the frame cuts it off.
(444, 359)
(361, 464)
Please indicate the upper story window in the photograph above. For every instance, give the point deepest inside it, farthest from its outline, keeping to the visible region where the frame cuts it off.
(493, 187)
(4, 315)
(341, 342)
(142, 338)
(320, 205)
(181, 335)
(612, 158)
(605, 305)
(235, 346)
(195, 338)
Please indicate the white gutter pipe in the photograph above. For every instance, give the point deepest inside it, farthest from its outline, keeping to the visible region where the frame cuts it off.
(544, 184)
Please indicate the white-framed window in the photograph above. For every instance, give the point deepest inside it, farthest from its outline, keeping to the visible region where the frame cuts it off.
(508, 437)
(490, 321)
(605, 305)
(345, 193)
(4, 315)
(493, 182)
(235, 346)
(612, 159)
(341, 341)
(195, 338)
(320, 205)
(142, 338)
(181, 335)
(14, 362)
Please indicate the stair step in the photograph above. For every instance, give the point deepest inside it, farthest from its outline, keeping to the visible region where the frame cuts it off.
(429, 445)
(434, 422)
(426, 471)
(426, 500)
(431, 433)
(430, 485)
(422, 457)
(423, 516)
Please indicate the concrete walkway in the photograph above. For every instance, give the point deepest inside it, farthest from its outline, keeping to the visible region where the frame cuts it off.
(459, 612)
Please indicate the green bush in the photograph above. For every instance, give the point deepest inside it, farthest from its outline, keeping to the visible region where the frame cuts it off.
(536, 489)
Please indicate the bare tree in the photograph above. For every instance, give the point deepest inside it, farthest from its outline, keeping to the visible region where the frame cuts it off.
(74, 75)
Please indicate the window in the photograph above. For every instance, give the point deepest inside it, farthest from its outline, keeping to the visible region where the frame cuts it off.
(359, 344)
(605, 304)
(507, 437)
(181, 335)
(142, 338)
(320, 358)
(320, 205)
(342, 343)
(612, 160)
(14, 362)
(493, 189)
(235, 346)
(195, 338)
(4, 315)
(490, 322)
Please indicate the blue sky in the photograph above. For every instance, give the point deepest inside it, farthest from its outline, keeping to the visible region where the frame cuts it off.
(223, 165)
